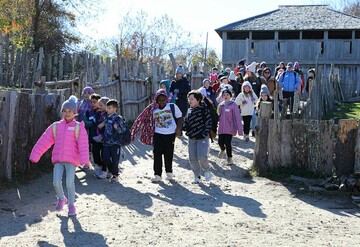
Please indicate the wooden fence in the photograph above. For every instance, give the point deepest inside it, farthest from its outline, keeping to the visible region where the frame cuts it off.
(321, 147)
(24, 117)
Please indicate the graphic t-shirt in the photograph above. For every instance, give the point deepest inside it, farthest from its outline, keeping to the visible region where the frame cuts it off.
(164, 121)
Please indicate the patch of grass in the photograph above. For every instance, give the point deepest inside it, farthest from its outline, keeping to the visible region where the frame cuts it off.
(283, 173)
(344, 111)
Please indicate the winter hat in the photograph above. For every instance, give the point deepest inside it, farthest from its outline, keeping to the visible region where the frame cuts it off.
(228, 70)
(70, 104)
(220, 75)
(225, 87)
(180, 70)
(263, 64)
(205, 80)
(290, 64)
(232, 76)
(214, 68)
(160, 92)
(223, 77)
(264, 90)
(167, 85)
(242, 70)
(252, 67)
(226, 90)
(296, 65)
(88, 90)
(242, 62)
(246, 83)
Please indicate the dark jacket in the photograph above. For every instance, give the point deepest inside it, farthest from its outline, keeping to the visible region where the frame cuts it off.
(110, 133)
(197, 122)
(180, 89)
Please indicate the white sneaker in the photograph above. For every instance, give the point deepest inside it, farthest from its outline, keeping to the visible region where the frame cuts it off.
(229, 161)
(208, 175)
(102, 175)
(196, 180)
(169, 176)
(156, 179)
(221, 154)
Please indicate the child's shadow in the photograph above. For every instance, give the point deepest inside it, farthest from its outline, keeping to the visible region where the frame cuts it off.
(249, 205)
(77, 236)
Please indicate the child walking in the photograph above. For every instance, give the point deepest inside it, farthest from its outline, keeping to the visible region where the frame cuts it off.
(197, 125)
(71, 149)
(113, 126)
(84, 105)
(246, 100)
(229, 125)
(168, 125)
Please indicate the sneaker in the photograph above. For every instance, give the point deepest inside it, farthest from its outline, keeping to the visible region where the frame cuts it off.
(196, 180)
(114, 179)
(246, 138)
(169, 176)
(72, 210)
(208, 175)
(156, 179)
(97, 167)
(221, 154)
(102, 175)
(61, 203)
(229, 161)
(85, 168)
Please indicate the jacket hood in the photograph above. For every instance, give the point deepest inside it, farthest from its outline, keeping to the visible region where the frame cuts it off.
(160, 92)
(167, 85)
(246, 83)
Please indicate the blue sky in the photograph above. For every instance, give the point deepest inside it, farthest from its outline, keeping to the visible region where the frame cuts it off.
(197, 16)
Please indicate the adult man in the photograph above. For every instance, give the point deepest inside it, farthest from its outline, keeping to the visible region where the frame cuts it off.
(180, 87)
(289, 81)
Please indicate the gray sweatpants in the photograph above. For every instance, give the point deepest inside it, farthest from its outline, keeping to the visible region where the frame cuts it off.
(198, 155)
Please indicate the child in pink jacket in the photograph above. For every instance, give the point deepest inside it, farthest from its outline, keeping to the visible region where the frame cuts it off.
(229, 124)
(71, 149)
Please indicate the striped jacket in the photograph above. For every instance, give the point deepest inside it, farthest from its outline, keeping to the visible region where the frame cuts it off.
(197, 122)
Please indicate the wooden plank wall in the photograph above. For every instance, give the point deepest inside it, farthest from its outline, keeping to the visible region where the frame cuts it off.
(317, 146)
(20, 127)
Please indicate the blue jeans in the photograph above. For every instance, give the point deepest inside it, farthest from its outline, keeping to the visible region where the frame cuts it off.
(70, 181)
(111, 158)
(198, 155)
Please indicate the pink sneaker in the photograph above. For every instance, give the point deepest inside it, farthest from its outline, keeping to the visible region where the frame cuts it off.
(72, 210)
(60, 204)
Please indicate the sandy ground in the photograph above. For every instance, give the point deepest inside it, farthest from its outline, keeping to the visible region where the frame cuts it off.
(231, 210)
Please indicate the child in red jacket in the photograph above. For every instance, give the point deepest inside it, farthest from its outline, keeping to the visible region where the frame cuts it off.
(71, 149)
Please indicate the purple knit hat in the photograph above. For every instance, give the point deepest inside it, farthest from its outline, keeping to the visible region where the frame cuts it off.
(88, 90)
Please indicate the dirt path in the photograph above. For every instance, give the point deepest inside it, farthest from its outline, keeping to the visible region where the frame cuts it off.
(232, 210)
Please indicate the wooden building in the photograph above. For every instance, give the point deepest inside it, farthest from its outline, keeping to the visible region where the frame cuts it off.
(309, 34)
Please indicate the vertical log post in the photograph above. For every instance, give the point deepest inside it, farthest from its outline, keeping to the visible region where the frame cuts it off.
(260, 163)
(121, 105)
(12, 108)
(345, 146)
(357, 153)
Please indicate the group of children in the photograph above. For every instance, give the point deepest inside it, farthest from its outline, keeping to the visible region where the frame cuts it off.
(90, 122)
(94, 123)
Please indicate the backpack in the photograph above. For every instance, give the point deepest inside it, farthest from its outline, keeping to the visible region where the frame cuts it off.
(77, 130)
(214, 118)
(125, 138)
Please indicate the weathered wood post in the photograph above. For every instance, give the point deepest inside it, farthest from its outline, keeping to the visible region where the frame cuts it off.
(121, 105)
(260, 163)
(357, 153)
(40, 86)
(12, 108)
(345, 146)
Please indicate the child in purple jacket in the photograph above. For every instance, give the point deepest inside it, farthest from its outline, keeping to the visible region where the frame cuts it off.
(229, 124)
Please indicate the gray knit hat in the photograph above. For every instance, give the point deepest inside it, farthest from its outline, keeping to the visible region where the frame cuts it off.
(71, 104)
(264, 90)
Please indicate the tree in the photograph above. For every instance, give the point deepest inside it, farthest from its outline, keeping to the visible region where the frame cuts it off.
(43, 23)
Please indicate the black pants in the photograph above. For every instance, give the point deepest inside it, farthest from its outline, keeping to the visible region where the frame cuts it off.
(163, 145)
(290, 97)
(247, 122)
(111, 155)
(225, 143)
(97, 154)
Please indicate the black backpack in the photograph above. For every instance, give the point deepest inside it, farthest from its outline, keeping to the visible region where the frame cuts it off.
(214, 118)
(125, 138)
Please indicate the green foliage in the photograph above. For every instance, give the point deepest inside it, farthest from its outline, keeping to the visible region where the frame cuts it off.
(345, 111)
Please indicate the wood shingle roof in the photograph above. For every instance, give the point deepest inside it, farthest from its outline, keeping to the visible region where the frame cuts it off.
(296, 17)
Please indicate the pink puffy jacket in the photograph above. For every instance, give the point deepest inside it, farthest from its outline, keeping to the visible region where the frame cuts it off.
(67, 148)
